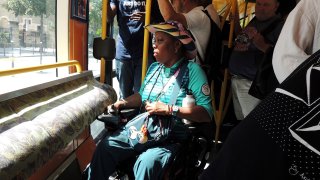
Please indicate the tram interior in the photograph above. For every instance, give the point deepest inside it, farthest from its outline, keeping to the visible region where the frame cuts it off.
(57, 117)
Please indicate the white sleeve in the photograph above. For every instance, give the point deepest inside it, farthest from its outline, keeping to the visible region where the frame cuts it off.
(296, 40)
(213, 14)
(199, 25)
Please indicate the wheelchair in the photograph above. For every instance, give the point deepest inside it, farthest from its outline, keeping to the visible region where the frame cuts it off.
(188, 162)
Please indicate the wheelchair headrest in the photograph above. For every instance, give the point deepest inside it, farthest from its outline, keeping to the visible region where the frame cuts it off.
(104, 48)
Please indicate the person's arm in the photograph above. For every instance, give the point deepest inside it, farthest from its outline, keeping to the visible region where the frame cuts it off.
(295, 42)
(259, 41)
(133, 101)
(194, 114)
(168, 13)
(213, 14)
(198, 84)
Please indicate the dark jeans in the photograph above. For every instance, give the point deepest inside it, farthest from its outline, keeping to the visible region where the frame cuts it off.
(129, 75)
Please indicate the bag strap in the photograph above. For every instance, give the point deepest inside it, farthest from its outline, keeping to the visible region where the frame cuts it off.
(177, 85)
(211, 24)
(176, 77)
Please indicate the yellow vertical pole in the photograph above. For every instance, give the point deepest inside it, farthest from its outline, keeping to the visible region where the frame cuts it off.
(225, 14)
(103, 36)
(146, 40)
(234, 8)
(222, 108)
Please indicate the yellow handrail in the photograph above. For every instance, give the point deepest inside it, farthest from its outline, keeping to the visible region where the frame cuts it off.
(103, 36)
(13, 71)
(146, 40)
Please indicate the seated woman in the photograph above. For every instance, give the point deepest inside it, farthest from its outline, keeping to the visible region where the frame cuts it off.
(173, 47)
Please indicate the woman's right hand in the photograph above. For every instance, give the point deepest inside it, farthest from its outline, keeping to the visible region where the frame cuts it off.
(114, 108)
(158, 108)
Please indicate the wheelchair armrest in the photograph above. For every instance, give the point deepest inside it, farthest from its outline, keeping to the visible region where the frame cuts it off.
(128, 113)
(204, 129)
(114, 120)
(110, 120)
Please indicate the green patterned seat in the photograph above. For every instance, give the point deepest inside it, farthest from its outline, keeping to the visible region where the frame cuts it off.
(37, 122)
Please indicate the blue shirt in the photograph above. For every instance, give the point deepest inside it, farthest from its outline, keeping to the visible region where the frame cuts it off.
(130, 37)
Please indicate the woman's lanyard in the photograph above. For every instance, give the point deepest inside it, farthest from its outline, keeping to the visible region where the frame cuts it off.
(169, 82)
(166, 86)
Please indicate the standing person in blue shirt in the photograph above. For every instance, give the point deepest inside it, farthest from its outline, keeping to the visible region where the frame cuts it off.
(130, 16)
(173, 48)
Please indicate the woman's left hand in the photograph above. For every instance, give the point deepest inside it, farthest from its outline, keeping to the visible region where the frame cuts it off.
(158, 108)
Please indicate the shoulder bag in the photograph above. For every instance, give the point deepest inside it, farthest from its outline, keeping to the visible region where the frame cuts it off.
(145, 131)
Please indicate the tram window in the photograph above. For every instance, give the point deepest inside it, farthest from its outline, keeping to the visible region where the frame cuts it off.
(95, 10)
(95, 16)
(27, 38)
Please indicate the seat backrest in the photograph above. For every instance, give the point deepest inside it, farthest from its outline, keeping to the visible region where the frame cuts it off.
(104, 48)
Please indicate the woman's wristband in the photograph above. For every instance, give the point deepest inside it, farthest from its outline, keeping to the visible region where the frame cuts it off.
(169, 112)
